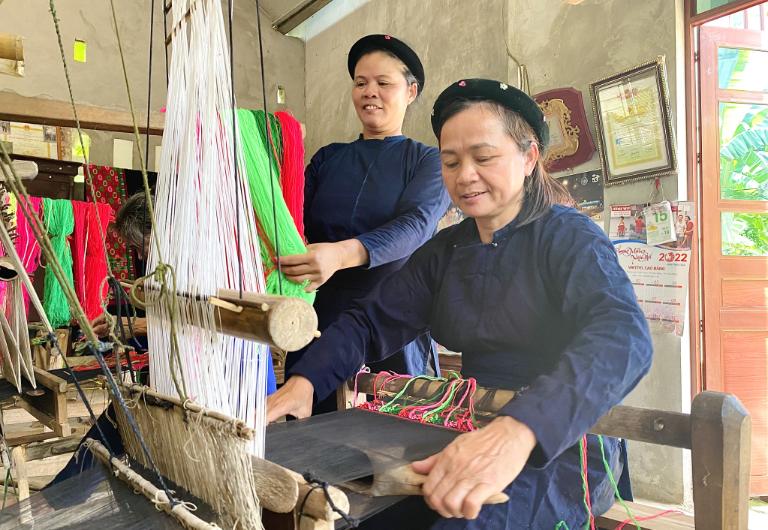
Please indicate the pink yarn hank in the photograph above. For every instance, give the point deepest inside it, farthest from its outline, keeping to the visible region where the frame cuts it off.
(79, 244)
(26, 244)
(292, 168)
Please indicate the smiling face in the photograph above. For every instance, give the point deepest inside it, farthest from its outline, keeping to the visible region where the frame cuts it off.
(484, 169)
(381, 94)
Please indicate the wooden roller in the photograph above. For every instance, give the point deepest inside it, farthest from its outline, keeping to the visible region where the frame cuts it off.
(25, 169)
(11, 47)
(287, 324)
(313, 499)
(487, 401)
(8, 270)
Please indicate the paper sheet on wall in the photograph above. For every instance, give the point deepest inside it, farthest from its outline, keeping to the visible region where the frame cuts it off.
(122, 154)
(659, 273)
(158, 154)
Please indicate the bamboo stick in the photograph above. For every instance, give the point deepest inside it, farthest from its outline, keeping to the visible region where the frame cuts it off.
(158, 497)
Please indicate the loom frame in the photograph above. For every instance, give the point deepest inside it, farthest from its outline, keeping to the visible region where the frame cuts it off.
(717, 431)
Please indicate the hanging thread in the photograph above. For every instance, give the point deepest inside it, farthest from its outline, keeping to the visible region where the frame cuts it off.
(269, 212)
(26, 244)
(96, 260)
(79, 244)
(292, 168)
(59, 222)
(451, 406)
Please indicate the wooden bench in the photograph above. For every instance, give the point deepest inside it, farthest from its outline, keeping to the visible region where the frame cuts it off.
(717, 431)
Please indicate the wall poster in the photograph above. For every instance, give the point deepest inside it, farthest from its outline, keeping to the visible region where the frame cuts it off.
(658, 273)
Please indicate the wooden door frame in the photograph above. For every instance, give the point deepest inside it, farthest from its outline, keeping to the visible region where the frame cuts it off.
(693, 149)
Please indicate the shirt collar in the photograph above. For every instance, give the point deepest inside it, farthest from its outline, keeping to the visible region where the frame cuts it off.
(385, 139)
(470, 235)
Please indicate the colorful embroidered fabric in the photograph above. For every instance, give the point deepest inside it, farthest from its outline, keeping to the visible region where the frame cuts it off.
(109, 185)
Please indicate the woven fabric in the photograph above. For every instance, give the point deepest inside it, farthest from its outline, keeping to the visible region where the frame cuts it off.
(109, 186)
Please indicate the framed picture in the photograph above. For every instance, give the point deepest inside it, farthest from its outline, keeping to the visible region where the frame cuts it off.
(570, 142)
(634, 125)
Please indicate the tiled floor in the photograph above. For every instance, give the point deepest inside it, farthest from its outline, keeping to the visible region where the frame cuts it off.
(758, 515)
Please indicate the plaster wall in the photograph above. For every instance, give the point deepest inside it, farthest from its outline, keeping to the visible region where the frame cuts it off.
(452, 37)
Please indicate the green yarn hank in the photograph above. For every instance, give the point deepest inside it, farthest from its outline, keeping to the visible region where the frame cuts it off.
(273, 217)
(59, 222)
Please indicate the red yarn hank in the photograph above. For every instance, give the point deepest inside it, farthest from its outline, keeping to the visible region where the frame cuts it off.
(89, 261)
(292, 168)
(96, 264)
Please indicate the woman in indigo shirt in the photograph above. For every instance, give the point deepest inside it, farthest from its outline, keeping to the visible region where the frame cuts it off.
(533, 295)
(371, 203)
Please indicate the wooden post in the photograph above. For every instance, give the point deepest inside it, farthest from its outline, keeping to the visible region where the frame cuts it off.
(720, 454)
(50, 408)
(19, 459)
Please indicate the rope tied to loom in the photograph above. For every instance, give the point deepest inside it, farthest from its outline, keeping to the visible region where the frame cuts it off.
(59, 222)
(317, 484)
(167, 297)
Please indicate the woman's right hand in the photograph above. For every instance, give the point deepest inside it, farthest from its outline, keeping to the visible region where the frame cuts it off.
(100, 325)
(294, 398)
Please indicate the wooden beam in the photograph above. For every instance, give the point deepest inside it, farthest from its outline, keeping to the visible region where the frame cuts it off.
(30, 432)
(299, 14)
(644, 425)
(50, 408)
(41, 450)
(14, 107)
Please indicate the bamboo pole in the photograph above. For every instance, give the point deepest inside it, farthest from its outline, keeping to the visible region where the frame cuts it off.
(158, 497)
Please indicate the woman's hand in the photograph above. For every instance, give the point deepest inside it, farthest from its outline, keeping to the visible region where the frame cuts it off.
(475, 466)
(322, 260)
(101, 326)
(317, 265)
(293, 398)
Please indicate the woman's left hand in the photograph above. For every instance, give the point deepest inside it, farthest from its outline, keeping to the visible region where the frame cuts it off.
(317, 265)
(475, 466)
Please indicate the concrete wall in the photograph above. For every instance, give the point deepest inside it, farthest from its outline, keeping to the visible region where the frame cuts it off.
(458, 38)
(99, 81)
(561, 45)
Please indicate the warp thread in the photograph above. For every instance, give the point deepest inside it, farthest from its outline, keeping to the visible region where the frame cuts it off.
(292, 168)
(60, 222)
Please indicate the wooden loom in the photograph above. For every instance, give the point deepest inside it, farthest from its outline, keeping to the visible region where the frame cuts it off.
(717, 431)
